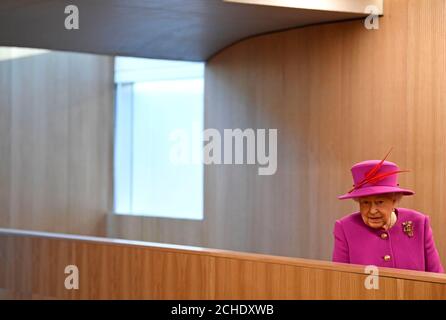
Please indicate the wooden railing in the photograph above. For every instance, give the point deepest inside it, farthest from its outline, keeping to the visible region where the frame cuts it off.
(33, 266)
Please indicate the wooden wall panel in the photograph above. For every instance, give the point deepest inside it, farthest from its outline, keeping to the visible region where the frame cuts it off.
(338, 94)
(56, 135)
(113, 269)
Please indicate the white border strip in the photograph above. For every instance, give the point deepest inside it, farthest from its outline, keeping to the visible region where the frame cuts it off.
(353, 6)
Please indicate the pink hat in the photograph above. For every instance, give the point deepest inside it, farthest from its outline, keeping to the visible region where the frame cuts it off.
(375, 177)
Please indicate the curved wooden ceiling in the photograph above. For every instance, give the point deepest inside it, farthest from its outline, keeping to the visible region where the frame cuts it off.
(165, 29)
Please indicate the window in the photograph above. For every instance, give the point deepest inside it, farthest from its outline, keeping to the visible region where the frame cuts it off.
(158, 167)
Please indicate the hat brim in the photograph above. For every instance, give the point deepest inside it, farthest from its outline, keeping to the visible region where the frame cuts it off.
(374, 190)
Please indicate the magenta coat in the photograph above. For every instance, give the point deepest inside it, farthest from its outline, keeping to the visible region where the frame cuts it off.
(357, 243)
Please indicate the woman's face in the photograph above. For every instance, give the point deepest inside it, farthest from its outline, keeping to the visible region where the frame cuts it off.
(376, 210)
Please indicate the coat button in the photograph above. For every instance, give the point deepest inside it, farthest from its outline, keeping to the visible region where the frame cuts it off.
(384, 236)
(386, 257)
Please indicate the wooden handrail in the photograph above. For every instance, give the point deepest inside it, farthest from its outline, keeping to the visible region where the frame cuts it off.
(281, 260)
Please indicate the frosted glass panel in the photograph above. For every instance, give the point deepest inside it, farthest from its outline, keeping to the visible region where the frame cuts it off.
(158, 151)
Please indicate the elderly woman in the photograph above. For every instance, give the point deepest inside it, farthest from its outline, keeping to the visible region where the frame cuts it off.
(381, 234)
